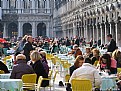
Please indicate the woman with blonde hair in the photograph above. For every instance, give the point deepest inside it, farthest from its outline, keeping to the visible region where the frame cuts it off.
(21, 67)
(96, 56)
(38, 67)
(78, 63)
(117, 56)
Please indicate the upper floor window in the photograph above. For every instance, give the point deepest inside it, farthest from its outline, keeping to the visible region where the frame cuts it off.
(27, 4)
(12, 3)
(42, 3)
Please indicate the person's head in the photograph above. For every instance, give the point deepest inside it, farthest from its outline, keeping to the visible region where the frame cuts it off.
(88, 60)
(35, 56)
(20, 57)
(75, 47)
(95, 52)
(116, 54)
(106, 59)
(109, 37)
(79, 61)
(29, 39)
(88, 50)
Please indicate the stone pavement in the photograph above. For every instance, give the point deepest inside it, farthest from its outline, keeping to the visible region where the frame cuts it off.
(57, 88)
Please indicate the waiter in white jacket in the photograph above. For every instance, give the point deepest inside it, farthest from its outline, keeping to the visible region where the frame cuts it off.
(87, 71)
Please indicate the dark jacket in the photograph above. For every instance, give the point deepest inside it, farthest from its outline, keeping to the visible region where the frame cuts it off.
(112, 46)
(67, 42)
(20, 69)
(3, 67)
(27, 48)
(72, 68)
(40, 71)
(77, 41)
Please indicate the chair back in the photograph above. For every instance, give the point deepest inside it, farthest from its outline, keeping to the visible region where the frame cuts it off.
(53, 60)
(67, 77)
(5, 51)
(50, 73)
(29, 78)
(81, 85)
(2, 72)
(39, 82)
(54, 77)
(118, 70)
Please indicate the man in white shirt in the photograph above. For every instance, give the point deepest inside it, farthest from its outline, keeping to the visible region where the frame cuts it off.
(87, 71)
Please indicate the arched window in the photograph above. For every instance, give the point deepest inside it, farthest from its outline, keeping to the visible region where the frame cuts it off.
(41, 3)
(27, 4)
(12, 3)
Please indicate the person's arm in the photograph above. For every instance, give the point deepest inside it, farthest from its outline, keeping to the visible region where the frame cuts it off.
(97, 78)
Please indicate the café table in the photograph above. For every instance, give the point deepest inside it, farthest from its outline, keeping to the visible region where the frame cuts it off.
(5, 76)
(108, 82)
(11, 84)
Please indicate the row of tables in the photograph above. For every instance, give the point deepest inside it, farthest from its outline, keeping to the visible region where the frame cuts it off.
(10, 84)
(108, 81)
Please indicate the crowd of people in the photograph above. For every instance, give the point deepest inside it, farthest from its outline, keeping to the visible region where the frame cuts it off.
(30, 58)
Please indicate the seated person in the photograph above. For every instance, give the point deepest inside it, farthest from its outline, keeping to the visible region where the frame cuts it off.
(78, 63)
(88, 52)
(87, 71)
(3, 67)
(38, 67)
(75, 51)
(95, 58)
(109, 64)
(21, 67)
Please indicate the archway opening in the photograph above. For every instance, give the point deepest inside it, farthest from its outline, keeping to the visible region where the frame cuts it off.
(27, 29)
(41, 29)
(12, 30)
(1, 30)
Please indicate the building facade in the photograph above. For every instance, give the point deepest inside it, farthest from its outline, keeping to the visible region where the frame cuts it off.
(88, 18)
(21, 17)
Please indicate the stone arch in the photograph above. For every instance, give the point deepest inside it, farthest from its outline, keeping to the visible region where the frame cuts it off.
(1, 30)
(41, 29)
(112, 7)
(12, 30)
(27, 29)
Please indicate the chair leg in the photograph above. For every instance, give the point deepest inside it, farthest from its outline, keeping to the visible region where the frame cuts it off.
(50, 88)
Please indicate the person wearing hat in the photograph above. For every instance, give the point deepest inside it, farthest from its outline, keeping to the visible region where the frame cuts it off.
(21, 67)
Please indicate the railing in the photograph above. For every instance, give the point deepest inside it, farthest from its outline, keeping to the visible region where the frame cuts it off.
(26, 11)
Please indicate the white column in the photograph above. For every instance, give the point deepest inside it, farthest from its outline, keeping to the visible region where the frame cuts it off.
(33, 30)
(105, 34)
(97, 32)
(47, 29)
(74, 30)
(101, 34)
(4, 31)
(93, 34)
(20, 29)
(19, 6)
(110, 29)
(116, 32)
(4, 4)
(48, 6)
(33, 6)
